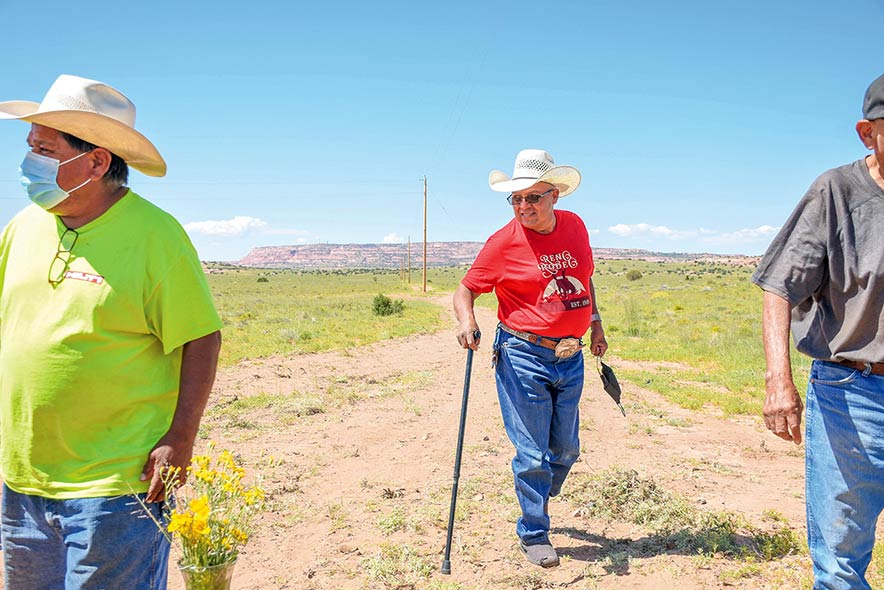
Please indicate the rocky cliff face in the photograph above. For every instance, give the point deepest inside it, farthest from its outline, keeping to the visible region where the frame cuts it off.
(333, 256)
(330, 256)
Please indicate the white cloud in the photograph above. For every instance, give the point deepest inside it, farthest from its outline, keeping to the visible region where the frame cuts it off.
(644, 229)
(243, 225)
(237, 226)
(751, 234)
(393, 238)
(740, 236)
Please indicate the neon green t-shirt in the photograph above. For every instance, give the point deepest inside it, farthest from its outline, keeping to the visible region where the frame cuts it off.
(90, 367)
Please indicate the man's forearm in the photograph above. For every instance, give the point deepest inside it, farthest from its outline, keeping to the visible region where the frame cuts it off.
(199, 361)
(596, 315)
(776, 319)
(464, 300)
(782, 403)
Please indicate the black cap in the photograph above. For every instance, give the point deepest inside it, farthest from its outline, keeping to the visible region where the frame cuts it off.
(873, 103)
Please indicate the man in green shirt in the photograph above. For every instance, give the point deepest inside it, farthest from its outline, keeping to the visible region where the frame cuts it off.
(109, 341)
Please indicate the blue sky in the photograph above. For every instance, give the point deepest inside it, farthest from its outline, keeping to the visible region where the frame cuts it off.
(697, 126)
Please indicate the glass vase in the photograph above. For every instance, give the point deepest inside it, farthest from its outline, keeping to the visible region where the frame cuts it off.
(209, 577)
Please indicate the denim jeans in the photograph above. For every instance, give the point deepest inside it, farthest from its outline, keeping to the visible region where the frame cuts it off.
(539, 396)
(81, 544)
(844, 458)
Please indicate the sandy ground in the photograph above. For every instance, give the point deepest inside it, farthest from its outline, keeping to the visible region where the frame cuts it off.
(370, 477)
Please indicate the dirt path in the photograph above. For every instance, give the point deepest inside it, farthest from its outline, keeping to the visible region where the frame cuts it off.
(358, 449)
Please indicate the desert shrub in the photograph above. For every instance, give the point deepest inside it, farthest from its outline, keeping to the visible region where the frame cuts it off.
(263, 280)
(634, 275)
(383, 305)
(633, 316)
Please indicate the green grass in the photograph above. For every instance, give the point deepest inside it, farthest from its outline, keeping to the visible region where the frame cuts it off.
(337, 514)
(393, 521)
(298, 312)
(296, 403)
(695, 325)
(703, 319)
(398, 566)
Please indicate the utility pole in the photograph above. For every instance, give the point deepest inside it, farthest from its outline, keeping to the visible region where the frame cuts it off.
(425, 233)
(409, 260)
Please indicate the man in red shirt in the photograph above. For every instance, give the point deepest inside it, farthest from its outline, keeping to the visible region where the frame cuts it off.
(540, 266)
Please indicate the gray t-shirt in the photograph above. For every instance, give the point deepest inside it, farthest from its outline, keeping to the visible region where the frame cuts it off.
(828, 261)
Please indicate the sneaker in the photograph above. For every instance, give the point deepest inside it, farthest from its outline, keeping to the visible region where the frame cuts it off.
(542, 554)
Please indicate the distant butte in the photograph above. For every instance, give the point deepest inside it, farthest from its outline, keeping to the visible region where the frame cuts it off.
(335, 256)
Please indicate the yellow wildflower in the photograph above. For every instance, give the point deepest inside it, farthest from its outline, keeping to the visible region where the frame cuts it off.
(200, 507)
(238, 534)
(180, 522)
(253, 496)
(214, 510)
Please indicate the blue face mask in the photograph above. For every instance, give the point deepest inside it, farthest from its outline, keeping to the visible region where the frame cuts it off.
(39, 177)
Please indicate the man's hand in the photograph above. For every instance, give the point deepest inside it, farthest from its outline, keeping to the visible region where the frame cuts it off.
(468, 335)
(168, 454)
(467, 329)
(783, 408)
(598, 346)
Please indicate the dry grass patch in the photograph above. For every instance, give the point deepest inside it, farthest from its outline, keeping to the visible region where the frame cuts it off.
(675, 524)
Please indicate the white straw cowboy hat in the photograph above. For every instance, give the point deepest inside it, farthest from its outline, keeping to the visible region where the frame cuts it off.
(94, 112)
(533, 166)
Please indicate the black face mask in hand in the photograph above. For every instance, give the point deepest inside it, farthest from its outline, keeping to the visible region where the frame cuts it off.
(609, 382)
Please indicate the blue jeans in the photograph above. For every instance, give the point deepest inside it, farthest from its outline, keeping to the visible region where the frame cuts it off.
(81, 544)
(539, 396)
(844, 458)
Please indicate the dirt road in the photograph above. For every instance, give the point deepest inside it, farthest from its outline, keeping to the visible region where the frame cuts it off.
(357, 449)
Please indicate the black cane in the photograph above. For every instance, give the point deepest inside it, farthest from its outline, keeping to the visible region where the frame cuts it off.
(446, 562)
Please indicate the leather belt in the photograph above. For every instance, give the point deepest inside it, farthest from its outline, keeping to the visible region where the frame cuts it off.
(532, 338)
(873, 368)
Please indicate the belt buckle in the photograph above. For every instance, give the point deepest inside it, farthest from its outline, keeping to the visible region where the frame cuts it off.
(568, 347)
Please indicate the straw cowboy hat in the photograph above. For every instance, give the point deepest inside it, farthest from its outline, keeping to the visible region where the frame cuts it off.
(94, 112)
(533, 166)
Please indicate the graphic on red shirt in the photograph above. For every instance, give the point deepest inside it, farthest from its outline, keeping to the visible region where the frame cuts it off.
(569, 290)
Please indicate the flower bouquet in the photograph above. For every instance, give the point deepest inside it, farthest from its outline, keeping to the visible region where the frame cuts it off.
(209, 519)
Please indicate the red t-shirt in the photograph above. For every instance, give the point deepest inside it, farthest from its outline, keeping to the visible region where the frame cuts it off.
(541, 280)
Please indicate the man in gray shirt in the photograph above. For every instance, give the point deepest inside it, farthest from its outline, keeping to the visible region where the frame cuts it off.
(825, 272)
